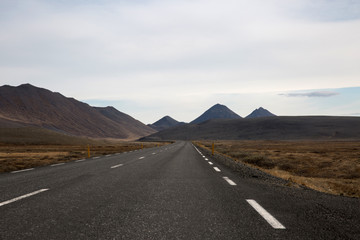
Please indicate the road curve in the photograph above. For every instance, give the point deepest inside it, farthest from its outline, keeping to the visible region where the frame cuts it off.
(169, 192)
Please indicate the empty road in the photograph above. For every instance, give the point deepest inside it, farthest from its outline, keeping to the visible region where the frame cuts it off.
(169, 192)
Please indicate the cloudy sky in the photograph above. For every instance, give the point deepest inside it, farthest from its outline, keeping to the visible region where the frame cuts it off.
(151, 58)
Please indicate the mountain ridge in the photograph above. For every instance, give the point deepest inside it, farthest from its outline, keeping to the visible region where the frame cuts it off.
(34, 106)
(217, 111)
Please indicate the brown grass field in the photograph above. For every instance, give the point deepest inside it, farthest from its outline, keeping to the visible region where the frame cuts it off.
(16, 157)
(326, 166)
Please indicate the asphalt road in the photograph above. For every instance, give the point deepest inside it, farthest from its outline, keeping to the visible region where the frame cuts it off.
(170, 192)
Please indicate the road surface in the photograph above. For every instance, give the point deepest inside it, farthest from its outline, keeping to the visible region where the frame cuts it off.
(169, 192)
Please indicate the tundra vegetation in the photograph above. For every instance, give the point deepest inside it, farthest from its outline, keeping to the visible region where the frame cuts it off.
(326, 166)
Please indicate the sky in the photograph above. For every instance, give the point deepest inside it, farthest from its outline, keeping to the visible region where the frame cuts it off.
(151, 58)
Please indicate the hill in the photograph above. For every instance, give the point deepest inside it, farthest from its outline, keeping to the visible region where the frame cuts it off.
(270, 128)
(164, 123)
(260, 112)
(27, 105)
(217, 111)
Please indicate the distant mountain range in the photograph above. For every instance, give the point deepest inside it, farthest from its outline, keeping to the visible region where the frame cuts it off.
(266, 128)
(164, 123)
(27, 105)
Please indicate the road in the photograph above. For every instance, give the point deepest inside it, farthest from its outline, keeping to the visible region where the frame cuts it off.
(169, 192)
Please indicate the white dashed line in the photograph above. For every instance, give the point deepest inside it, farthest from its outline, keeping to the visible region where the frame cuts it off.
(24, 170)
(141, 157)
(119, 165)
(153, 153)
(96, 157)
(217, 169)
(267, 216)
(108, 155)
(57, 164)
(206, 159)
(210, 163)
(229, 181)
(81, 160)
(22, 197)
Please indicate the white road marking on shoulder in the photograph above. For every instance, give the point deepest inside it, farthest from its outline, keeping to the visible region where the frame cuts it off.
(217, 169)
(23, 196)
(24, 170)
(96, 157)
(153, 153)
(266, 215)
(108, 155)
(80, 160)
(119, 165)
(141, 157)
(206, 159)
(57, 164)
(210, 163)
(229, 181)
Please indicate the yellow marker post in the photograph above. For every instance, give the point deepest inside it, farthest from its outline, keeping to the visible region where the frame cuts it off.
(142, 146)
(88, 151)
(212, 149)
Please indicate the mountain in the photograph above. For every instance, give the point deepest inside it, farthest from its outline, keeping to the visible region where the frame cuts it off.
(260, 112)
(269, 128)
(27, 105)
(164, 123)
(217, 111)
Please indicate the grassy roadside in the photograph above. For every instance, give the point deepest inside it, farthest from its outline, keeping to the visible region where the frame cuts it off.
(326, 166)
(16, 157)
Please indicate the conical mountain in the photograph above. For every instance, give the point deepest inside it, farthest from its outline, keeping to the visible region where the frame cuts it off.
(164, 123)
(217, 111)
(260, 112)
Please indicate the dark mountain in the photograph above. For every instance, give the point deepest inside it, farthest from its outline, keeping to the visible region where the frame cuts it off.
(260, 112)
(217, 111)
(32, 106)
(164, 123)
(269, 128)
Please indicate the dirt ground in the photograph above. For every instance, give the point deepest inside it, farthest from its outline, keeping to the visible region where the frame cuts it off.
(16, 157)
(327, 166)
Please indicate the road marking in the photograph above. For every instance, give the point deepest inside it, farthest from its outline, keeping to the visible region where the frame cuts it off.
(206, 159)
(57, 164)
(210, 163)
(119, 165)
(153, 153)
(23, 196)
(96, 157)
(203, 156)
(141, 157)
(217, 169)
(81, 160)
(229, 181)
(108, 155)
(267, 216)
(24, 170)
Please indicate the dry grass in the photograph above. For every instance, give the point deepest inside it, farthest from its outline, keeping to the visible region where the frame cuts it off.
(16, 157)
(327, 166)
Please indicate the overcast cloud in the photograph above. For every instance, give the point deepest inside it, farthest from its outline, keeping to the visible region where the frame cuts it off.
(151, 58)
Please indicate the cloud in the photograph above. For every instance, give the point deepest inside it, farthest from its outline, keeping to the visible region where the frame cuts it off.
(311, 94)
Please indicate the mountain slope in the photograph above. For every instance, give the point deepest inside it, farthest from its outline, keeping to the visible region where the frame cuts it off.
(260, 112)
(29, 105)
(217, 111)
(164, 123)
(269, 128)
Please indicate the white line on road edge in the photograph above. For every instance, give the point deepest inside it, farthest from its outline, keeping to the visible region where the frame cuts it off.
(57, 164)
(23, 196)
(217, 169)
(119, 165)
(229, 181)
(80, 160)
(96, 157)
(206, 159)
(210, 163)
(267, 216)
(24, 170)
(141, 157)
(108, 155)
